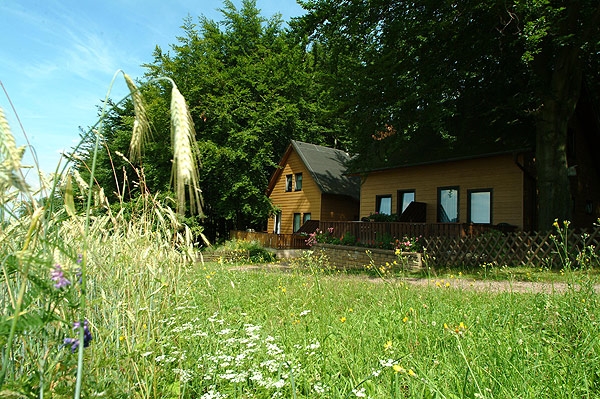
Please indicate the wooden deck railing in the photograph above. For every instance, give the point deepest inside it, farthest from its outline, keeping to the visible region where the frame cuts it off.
(371, 232)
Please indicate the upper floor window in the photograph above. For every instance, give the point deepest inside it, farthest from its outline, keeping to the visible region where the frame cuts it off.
(298, 181)
(447, 205)
(479, 206)
(288, 183)
(405, 197)
(383, 204)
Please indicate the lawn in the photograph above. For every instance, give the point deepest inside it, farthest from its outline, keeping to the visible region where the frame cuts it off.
(213, 331)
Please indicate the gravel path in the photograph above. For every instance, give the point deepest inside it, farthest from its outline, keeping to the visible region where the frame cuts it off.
(445, 283)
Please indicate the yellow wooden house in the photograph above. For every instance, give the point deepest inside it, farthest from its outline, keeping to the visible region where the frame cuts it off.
(310, 184)
(488, 189)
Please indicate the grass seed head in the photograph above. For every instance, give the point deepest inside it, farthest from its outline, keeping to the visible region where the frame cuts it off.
(185, 165)
(141, 126)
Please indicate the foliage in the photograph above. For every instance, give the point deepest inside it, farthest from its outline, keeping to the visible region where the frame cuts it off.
(382, 217)
(250, 251)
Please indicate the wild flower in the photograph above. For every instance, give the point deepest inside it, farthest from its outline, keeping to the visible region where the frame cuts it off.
(74, 342)
(359, 392)
(57, 275)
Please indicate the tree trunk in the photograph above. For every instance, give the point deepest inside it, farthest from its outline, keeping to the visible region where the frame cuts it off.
(554, 194)
(559, 100)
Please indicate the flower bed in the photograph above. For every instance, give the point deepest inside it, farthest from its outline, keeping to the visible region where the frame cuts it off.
(356, 258)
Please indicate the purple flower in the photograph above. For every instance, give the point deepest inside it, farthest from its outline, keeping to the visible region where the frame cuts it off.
(74, 342)
(57, 275)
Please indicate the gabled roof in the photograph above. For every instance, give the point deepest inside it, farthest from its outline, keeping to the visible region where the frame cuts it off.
(325, 165)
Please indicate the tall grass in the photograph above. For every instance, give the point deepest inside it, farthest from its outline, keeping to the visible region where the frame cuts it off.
(53, 257)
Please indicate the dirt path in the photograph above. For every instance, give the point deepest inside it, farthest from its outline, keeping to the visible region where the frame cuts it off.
(445, 283)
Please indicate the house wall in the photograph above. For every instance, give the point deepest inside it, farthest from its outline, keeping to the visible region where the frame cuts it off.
(500, 173)
(308, 200)
(338, 208)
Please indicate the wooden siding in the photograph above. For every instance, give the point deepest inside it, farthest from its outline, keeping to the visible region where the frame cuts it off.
(499, 173)
(307, 200)
(335, 207)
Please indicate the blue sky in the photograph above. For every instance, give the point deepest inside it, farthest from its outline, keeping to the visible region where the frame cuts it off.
(58, 58)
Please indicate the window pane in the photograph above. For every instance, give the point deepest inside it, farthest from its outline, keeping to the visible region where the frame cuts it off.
(296, 222)
(384, 205)
(481, 210)
(288, 183)
(407, 198)
(306, 217)
(298, 181)
(448, 206)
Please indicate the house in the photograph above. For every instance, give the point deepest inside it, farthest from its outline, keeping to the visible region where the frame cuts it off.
(489, 182)
(493, 188)
(310, 184)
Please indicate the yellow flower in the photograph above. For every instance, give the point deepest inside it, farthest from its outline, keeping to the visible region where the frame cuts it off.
(438, 284)
(398, 369)
(412, 373)
(350, 310)
(388, 345)
(398, 252)
(343, 319)
(447, 285)
(121, 338)
(405, 319)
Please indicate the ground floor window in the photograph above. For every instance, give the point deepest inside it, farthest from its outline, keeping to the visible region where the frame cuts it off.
(277, 226)
(297, 221)
(383, 204)
(479, 206)
(405, 197)
(306, 218)
(447, 205)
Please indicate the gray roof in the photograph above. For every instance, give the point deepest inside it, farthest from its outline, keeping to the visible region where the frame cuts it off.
(327, 168)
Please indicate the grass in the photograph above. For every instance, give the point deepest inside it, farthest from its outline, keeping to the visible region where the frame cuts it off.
(208, 331)
(156, 324)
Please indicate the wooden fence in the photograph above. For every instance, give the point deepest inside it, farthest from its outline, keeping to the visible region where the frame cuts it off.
(272, 240)
(513, 249)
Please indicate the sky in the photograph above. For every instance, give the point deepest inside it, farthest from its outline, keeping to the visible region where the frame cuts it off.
(58, 58)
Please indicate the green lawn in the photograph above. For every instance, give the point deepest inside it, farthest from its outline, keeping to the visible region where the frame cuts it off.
(214, 332)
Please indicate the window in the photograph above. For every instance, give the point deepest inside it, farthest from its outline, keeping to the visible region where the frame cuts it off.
(277, 226)
(383, 204)
(288, 183)
(306, 218)
(448, 205)
(298, 181)
(297, 219)
(405, 197)
(479, 205)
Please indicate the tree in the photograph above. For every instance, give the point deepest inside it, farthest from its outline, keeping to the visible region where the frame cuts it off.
(455, 74)
(250, 90)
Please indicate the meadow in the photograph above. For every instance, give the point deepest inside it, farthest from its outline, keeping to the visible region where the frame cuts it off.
(97, 302)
